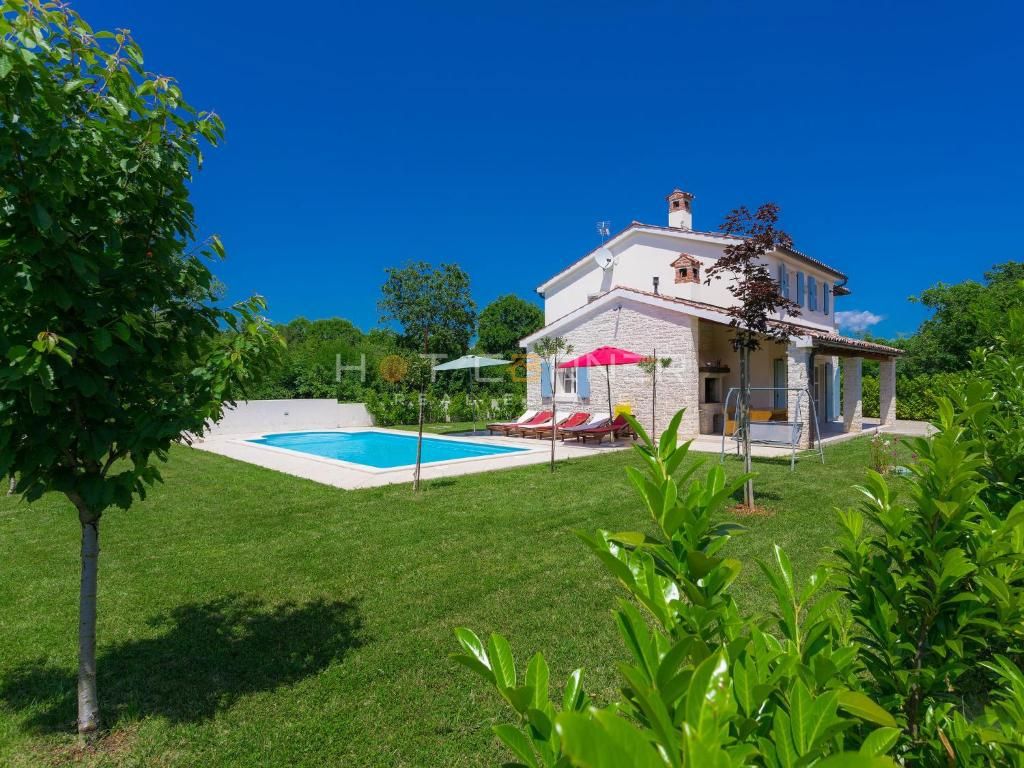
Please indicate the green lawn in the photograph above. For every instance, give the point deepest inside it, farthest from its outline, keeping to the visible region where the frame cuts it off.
(445, 428)
(252, 618)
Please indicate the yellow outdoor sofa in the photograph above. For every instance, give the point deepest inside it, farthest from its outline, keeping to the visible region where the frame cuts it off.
(756, 414)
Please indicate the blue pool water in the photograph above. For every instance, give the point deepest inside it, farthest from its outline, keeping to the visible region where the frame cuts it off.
(381, 450)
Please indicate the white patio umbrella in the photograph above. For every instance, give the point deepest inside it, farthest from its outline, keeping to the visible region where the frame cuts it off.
(470, 362)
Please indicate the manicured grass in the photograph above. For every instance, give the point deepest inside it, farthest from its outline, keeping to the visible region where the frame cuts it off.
(445, 428)
(252, 618)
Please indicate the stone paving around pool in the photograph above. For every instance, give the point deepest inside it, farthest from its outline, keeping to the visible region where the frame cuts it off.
(341, 475)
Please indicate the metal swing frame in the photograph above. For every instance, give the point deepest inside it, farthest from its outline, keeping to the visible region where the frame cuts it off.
(775, 433)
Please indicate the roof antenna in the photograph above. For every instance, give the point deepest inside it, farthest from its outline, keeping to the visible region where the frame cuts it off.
(604, 229)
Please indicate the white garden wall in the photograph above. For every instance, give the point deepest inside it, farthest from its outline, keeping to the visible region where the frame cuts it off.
(250, 416)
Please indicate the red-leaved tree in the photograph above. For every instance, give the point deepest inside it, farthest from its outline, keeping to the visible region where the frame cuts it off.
(760, 300)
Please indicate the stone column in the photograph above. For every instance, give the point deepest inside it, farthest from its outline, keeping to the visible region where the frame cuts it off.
(853, 417)
(798, 362)
(887, 392)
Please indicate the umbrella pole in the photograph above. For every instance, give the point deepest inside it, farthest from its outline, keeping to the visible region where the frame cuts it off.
(471, 400)
(608, 381)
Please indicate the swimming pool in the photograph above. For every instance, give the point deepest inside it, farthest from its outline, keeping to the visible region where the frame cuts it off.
(379, 450)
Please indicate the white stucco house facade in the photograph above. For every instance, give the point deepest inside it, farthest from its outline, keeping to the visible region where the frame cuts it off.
(645, 290)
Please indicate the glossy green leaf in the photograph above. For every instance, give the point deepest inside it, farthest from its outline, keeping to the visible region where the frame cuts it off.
(516, 741)
(574, 697)
(537, 678)
(880, 741)
(855, 760)
(604, 740)
(500, 654)
(861, 706)
(709, 691)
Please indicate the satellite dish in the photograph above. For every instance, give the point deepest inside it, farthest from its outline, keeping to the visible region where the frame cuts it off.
(604, 258)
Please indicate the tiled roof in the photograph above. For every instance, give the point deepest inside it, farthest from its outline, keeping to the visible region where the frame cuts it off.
(846, 341)
(798, 329)
(674, 299)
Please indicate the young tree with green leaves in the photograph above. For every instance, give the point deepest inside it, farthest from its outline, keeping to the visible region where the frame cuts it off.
(432, 305)
(650, 367)
(418, 375)
(111, 345)
(759, 297)
(552, 349)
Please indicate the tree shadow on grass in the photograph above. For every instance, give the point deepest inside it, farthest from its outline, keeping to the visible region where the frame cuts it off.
(759, 494)
(208, 657)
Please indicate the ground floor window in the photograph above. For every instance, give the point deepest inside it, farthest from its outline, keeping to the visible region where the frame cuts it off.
(566, 383)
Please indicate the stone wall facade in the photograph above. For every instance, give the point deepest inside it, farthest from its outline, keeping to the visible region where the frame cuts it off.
(638, 328)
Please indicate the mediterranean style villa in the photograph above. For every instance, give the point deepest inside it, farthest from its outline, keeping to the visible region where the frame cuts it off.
(644, 290)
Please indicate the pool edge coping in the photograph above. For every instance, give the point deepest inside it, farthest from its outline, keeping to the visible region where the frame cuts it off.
(247, 441)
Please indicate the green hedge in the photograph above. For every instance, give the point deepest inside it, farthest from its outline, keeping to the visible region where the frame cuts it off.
(915, 395)
(389, 408)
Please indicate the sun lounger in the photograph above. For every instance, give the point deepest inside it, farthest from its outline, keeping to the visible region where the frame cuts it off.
(618, 428)
(527, 416)
(596, 420)
(573, 420)
(506, 428)
(525, 430)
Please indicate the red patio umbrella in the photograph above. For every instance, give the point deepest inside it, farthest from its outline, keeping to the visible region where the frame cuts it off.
(606, 356)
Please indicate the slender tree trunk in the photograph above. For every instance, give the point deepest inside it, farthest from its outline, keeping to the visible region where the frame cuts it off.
(11, 485)
(419, 437)
(744, 421)
(554, 413)
(654, 395)
(419, 447)
(88, 702)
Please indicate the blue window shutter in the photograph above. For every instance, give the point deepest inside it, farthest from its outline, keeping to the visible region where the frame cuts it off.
(800, 288)
(582, 383)
(782, 279)
(812, 293)
(785, 281)
(826, 296)
(545, 379)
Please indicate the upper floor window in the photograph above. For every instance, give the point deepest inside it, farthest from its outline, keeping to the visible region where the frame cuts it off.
(783, 280)
(826, 298)
(812, 294)
(800, 289)
(687, 269)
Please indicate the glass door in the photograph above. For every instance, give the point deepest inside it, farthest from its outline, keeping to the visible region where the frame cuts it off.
(822, 383)
(780, 398)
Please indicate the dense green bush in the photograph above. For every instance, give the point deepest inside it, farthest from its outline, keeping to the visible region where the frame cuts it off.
(399, 406)
(920, 661)
(934, 586)
(915, 395)
(993, 401)
(389, 408)
(705, 685)
(870, 396)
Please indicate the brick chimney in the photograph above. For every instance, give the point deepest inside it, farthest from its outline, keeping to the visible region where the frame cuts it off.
(680, 209)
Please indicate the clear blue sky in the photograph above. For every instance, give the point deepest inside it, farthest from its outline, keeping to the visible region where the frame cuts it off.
(494, 135)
